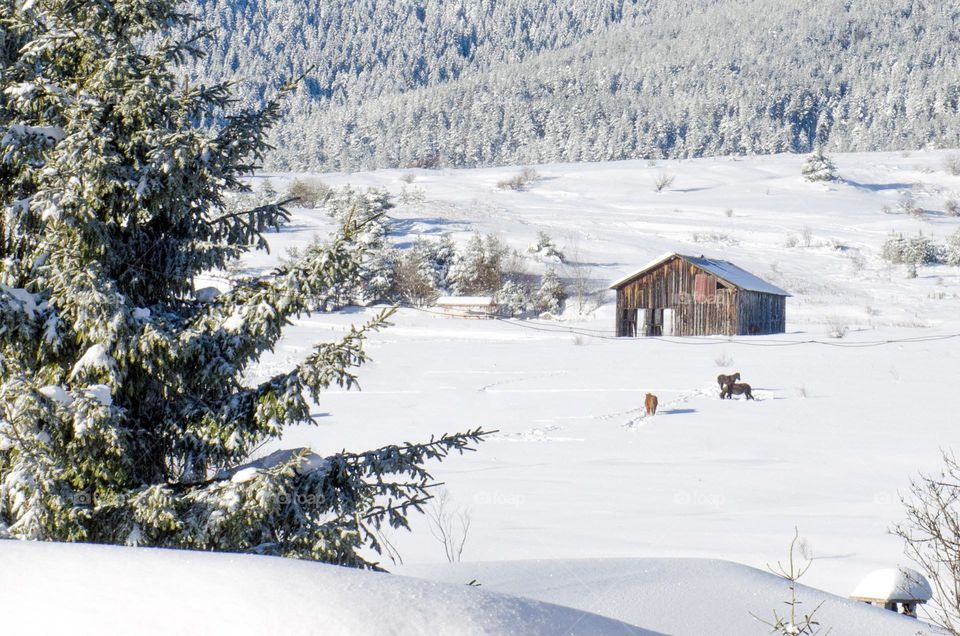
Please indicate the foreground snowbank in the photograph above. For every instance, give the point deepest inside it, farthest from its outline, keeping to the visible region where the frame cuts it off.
(50, 588)
(674, 596)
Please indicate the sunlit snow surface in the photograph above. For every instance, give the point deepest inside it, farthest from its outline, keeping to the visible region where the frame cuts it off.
(576, 469)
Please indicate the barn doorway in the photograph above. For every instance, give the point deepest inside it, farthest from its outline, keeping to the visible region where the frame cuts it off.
(659, 322)
(655, 328)
(628, 323)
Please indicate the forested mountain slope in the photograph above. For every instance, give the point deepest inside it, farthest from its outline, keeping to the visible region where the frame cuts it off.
(526, 81)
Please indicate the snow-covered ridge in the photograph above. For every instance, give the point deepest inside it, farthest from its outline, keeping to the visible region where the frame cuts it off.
(50, 588)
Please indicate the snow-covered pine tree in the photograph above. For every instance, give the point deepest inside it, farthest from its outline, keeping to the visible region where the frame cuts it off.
(952, 249)
(819, 167)
(123, 414)
(552, 296)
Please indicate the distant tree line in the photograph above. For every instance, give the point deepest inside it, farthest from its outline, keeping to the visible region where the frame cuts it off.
(434, 83)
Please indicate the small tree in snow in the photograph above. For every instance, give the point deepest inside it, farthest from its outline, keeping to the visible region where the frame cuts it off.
(128, 419)
(797, 623)
(545, 249)
(478, 269)
(413, 282)
(819, 167)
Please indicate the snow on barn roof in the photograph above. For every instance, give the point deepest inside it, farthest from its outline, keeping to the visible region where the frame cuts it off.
(459, 301)
(723, 270)
(893, 584)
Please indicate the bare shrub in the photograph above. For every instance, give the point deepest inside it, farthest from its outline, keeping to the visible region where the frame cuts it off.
(583, 291)
(909, 207)
(724, 360)
(309, 193)
(408, 177)
(837, 328)
(412, 282)
(411, 196)
(951, 207)
(663, 181)
(857, 262)
(714, 237)
(931, 534)
(951, 164)
(806, 236)
(791, 241)
(802, 392)
(448, 525)
(728, 212)
(520, 181)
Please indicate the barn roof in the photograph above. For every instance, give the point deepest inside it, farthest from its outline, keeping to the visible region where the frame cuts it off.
(724, 270)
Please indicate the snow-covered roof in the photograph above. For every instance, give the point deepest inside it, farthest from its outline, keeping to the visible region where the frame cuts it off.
(723, 270)
(459, 301)
(893, 584)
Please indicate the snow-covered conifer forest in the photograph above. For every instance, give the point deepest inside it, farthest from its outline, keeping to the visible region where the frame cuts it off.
(221, 221)
(494, 82)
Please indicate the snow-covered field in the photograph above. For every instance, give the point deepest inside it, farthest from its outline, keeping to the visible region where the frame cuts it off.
(576, 470)
(50, 588)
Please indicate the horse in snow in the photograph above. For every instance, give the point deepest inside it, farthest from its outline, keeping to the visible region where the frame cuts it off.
(650, 404)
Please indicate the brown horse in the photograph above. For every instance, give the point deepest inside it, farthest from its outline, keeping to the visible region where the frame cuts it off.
(651, 404)
(724, 380)
(737, 388)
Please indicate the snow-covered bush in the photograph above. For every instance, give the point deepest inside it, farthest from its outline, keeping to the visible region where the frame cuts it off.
(952, 251)
(917, 250)
(921, 250)
(951, 163)
(513, 299)
(552, 295)
(129, 418)
(819, 167)
(308, 193)
(545, 249)
(951, 207)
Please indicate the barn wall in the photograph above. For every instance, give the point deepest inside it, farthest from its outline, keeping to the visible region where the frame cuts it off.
(761, 313)
(710, 310)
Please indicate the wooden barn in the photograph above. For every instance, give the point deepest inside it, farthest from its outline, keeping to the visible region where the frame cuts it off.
(678, 295)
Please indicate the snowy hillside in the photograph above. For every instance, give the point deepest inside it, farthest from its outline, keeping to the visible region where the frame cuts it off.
(495, 82)
(111, 590)
(576, 470)
(672, 596)
(117, 590)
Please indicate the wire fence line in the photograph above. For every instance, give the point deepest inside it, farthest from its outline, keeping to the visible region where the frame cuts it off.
(694, 340)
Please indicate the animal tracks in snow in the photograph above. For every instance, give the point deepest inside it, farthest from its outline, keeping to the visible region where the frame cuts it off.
(536, 434)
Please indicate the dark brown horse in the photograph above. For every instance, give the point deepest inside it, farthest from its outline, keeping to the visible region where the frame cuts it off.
(736, 388)
(724, 380)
